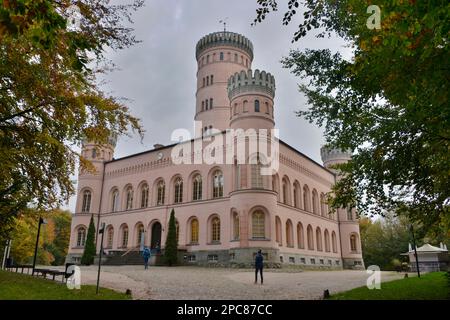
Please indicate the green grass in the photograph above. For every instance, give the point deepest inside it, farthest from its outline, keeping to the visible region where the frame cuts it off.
(431, 286)
(16, 286)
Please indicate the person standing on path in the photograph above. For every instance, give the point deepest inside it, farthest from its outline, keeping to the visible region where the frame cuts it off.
(259, 263)
(146, 254)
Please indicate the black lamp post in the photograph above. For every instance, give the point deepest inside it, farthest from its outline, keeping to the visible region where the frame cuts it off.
(102, 232)
(415, 250)
(41, 221)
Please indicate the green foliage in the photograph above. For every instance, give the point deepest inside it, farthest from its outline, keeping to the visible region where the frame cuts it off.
(89, 247)
(16, 286)
(49, 97)
(388, 103)
(171, 248)
(430, 286)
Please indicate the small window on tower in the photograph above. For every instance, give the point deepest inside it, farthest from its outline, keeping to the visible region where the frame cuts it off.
(221, 56)
(235, 57)
(94, 153)
(256, 105)
(203, 105)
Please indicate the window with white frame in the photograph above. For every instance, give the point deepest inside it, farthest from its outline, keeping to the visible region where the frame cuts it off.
(197, 188)
(81, 237)
(86, 205)
(178, 190)
(217, 184)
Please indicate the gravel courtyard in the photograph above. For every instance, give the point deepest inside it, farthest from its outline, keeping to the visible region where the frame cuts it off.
(198, 283)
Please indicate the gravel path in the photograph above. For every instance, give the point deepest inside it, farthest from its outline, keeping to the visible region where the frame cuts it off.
(197, 283)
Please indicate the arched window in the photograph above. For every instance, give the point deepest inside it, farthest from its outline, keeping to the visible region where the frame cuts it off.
(235, 226)
(315, 202)
(203, 105)
(349, 214)
(160, 194)
(310, 236)
(323, 205)
(204, 81)
(81, 237)
(289, 234)
(221, 56)
(278, 230)
(256, 177)
(353, 243)
(207, 58)
(256, 105)
(140, 234)
(245, 106)
(296, 194)
(144, 196)
(215, 229)
(206, 104)
(306, 199)
(212, 80)
(210, 103)
(110, 237)
(267, 107)
(235, 57)
(197, 188)
(258, 225)
(207, 80)
(194, 231)
(178, 190)
(115, 201)
(94, 153)
(319, 239)
(125, 237)
(235, 109)
(333, 241)
(129, 203)
(218, 184)
(86, 201)
(327, 240)
(300, 236)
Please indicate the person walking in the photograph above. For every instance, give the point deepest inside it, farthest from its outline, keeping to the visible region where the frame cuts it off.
(146, 254)
(259, 263)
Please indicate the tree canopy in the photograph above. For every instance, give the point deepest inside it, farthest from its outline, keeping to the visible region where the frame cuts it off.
(50, 100)
(388, 103)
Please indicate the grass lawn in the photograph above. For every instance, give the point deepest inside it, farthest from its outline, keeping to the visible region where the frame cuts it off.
(16, 286)
(431, 286)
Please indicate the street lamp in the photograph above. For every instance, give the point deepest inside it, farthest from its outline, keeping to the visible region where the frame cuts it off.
(415, 250)
(102, 232)
(41, 221)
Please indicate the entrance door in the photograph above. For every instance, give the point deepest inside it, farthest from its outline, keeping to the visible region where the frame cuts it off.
(156, 235)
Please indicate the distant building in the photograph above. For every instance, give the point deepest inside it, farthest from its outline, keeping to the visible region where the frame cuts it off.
(430, 258)
(224, 212)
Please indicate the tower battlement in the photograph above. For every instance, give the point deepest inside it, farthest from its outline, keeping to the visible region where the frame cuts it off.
(224, 38)
(259, 81)
(332, 156)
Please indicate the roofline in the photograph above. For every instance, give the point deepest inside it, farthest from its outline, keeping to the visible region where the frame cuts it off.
(224, 131)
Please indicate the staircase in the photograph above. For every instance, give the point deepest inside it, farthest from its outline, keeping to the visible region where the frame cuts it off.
(130, 257)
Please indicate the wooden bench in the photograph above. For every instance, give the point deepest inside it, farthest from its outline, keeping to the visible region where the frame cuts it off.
(52, 273)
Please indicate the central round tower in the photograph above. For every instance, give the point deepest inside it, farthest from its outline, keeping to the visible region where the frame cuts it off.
(219, 55)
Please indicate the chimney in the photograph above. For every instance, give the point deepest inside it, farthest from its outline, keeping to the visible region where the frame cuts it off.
(158, 146)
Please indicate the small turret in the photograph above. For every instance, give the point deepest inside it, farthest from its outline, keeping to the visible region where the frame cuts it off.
(95, 152)
(332, 156)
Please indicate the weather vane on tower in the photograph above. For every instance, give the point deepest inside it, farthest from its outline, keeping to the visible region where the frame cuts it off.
(224, 21)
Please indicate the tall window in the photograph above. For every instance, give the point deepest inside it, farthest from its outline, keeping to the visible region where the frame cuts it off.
(207, 80)
(327, 240)
(353, 246)
(257, 179)
(206, 104)
(110, 237)
(295, 196)
(197, 188)
(140, 234)
(215, 228)
(256, 105)
(315, 202)
(285, 195)
(306, 201)
(194, 231)
(94, 153)
(323, 205)
(212, 80)
(129, 204)
(245, 106)
(86, 201)
(203, 105)
(144, 196)
(211, 102)
(235, 57)
(310, 236)
(178, 190)
(300, 236)
(207, 58)
(289, 234)
(125, 237)
(204, 81)
(319, 239)
(161, 192)
(258, 225)
(115, 201)
(333, 241)
(81, 237)
(235, 226)
(349, 214)
(221, 56)
(218, 184)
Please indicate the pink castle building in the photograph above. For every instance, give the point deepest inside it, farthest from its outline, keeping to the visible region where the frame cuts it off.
(224, 212)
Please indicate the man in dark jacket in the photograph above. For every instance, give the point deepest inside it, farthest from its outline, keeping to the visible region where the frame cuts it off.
(259, 266)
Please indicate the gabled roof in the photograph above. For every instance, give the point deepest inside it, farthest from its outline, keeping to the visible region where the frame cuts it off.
(428, 248)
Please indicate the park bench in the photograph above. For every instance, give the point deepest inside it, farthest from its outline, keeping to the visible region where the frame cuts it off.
(52, 273)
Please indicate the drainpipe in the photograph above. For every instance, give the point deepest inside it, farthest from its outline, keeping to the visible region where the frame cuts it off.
(100, 205)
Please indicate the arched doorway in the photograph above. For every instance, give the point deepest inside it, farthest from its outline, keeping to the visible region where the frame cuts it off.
(156, 235)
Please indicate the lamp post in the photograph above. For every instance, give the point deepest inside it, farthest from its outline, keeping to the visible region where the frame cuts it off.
(102, 232)
(41, 221)
(415, 250)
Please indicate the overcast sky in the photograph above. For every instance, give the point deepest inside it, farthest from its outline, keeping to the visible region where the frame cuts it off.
(159, 74)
